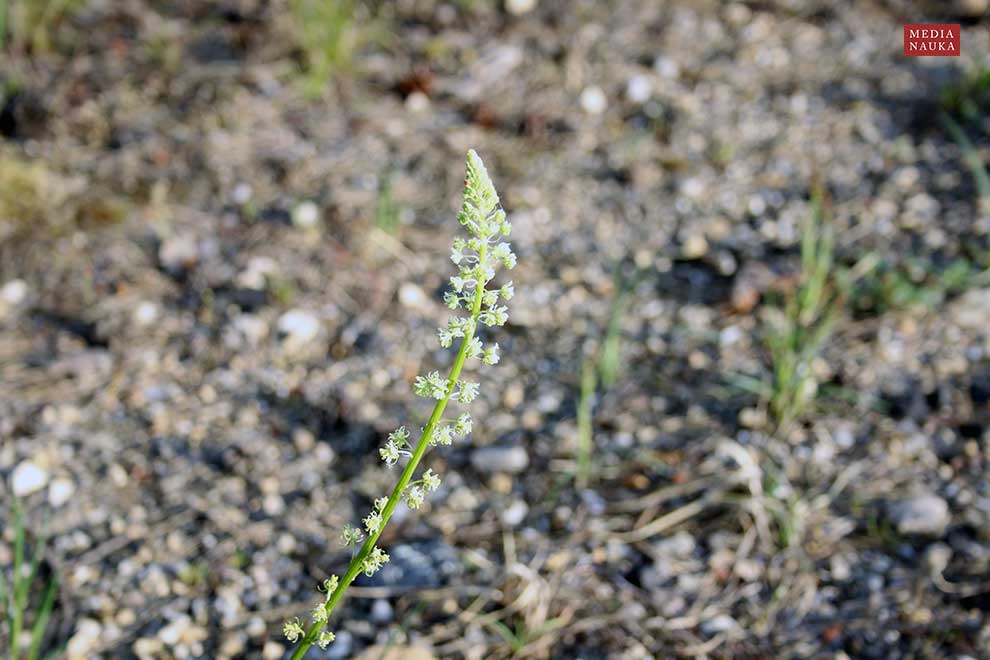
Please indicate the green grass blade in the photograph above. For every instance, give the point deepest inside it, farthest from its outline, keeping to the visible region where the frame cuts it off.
(584, 430)
(971, 158)
(41, 620)
(609, 363)
(37, 556)
(20, 584)
(6, 601)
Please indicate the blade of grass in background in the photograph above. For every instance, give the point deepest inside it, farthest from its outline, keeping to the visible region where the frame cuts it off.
(609, 363)
(3, 23)
(15, 594)
(971, 158)
(386, 211)
(584, 426)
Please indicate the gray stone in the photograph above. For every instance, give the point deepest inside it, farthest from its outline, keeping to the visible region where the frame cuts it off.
(510, 460)
(718, 624)
(178, 253)
(28, 477)
(381, 611)
(515, 513)
(922, 514)
(299, 326)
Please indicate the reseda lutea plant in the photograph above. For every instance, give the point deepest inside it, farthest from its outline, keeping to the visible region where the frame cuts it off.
(477, 258)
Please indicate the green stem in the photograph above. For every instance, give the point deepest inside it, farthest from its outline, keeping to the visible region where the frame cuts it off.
(393, 501)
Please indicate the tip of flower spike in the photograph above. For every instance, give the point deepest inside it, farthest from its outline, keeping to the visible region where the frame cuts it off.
(478, 183)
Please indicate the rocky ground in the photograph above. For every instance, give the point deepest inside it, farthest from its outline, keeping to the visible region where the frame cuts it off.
(215, 291)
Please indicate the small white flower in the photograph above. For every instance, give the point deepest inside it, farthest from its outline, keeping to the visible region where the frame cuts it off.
(293, 630)
(351, 535)
(389, 453)
(464, 424)
(451, 300)
(374, 561)
(325, 639)
(507, 291)
(319, 613)
(330, 585)
(380, 503)
(494, 315)
(458, 283)
(491, 355)
(399, 436)
(468, 392)
(474, 348)
(431, 481)
(441, 436)
(431, 386)
(373, 522)
(414, 497)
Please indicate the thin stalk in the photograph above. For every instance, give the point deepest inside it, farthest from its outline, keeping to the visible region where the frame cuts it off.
(393, 500)
(971, 158)
(584, 430)
(20, 585)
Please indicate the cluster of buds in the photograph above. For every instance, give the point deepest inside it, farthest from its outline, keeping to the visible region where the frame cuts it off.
(477, 258)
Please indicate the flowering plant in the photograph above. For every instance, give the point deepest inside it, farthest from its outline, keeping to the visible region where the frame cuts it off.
(477, 258)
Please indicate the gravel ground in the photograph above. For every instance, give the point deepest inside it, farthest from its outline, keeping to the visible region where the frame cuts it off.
(206, 329)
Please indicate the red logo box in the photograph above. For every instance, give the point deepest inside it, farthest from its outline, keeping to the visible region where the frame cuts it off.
(931, 39)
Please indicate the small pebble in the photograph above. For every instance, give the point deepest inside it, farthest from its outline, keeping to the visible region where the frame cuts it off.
(145, 313)
(695, 247)
(718, 624)
(515, 513)
(520, 7)
(241, 194)
(593, 100)
(923, 514)
(299, 326)
(306, 215)
(510, 460)
(178, 253)
(417, 102)
(937, 558)
(60, 491)
(381, 611)
(412, 296)
(28, 477)
(14, 292)
(639, 89)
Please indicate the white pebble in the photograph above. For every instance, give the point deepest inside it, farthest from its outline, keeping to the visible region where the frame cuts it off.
(639, 89)
(14, 292)
(412, 296)
(60, 491)
(593, 100)
(299, 326)
(85, 640)
(241, 194)
(306, 215)
(177, 253)
(28, 478)
(510, 460)
(515, 513)
(666, 67)
(417, 102)
(519, 7)
(145, 313)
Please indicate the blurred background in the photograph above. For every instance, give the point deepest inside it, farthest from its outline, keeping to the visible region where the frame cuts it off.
(742, 410)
